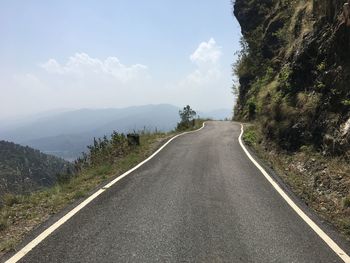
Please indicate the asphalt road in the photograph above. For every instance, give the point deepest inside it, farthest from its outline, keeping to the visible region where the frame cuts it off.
(199, 200)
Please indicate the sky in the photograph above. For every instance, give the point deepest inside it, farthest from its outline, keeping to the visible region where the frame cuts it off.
(112, 54)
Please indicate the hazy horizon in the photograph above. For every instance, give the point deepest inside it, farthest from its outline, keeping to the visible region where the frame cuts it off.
(53, 111)
(87, 55)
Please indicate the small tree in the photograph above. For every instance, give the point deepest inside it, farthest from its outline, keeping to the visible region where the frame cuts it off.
(187, 116)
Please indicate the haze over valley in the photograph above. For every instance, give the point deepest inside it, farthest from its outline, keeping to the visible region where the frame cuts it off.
(67, 133)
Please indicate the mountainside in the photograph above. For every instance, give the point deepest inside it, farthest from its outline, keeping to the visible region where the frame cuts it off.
(67, 134)
(23, 169)
(294, 72)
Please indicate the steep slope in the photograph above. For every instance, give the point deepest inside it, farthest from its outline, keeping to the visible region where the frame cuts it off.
(294, 72)
(23, 169)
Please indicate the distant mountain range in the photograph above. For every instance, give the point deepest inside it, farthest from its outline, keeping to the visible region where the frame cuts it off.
(23, 169)
(67, 133)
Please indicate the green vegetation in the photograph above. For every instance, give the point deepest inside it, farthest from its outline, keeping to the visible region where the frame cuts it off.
(187, 116)
(290, 85)
(23, 169)
(346, 202)
(249, 136)
(346, 102)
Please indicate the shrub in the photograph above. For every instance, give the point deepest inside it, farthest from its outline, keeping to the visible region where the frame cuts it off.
(251, 109)
(249, 137)
(187, 116)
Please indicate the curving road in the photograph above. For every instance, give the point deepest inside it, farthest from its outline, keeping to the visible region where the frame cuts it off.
(199, 200)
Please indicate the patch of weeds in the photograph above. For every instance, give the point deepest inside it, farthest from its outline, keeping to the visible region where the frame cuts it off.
(320, 85)
(8, 245)
(10, 199)
(305, 148)
(284, 79)
(321, 67)
(3, 223)
(79, 194)
(103, 169)
(346, 202)
(345, 225)
(249, 137)
(346, 102)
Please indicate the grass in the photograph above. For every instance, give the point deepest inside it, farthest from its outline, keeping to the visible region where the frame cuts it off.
(20, 214)
(346, 202)
(10, 199)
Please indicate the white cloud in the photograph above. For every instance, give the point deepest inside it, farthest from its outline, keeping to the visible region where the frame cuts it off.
(82, 65)
(207, 60)
(208, 85)
(206, 53)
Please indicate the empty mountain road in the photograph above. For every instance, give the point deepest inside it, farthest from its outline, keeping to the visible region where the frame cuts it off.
(199, 200)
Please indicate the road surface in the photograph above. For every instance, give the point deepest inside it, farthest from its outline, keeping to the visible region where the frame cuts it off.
(199, 200)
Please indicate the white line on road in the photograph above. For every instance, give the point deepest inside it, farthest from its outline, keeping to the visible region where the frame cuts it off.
(20, 254)
(307, 219)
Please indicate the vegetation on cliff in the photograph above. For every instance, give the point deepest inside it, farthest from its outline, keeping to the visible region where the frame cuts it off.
(294, 72)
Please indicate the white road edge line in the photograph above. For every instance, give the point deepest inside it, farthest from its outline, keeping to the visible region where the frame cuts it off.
(20, 254)
(307, 219)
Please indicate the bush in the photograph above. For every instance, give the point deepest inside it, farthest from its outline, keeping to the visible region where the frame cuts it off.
(251, 109)
(187, 116)
(249, 137)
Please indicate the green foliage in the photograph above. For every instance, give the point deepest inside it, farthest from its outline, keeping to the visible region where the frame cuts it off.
(9, 199)
(281, 35)
(23, 169)
(345, 225)
(320, 86)
(105, 150)
(187, 116)
(346, 102)
(249, 137)
(321, 67)
(284, 79)
(251, 108)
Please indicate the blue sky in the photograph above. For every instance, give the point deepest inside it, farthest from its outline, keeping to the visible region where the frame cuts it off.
(74, 54)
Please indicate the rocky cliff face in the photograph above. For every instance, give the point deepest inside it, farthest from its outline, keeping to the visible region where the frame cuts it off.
(294, 71)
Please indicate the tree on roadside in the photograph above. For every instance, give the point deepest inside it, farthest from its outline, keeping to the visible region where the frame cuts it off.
(187, 116)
